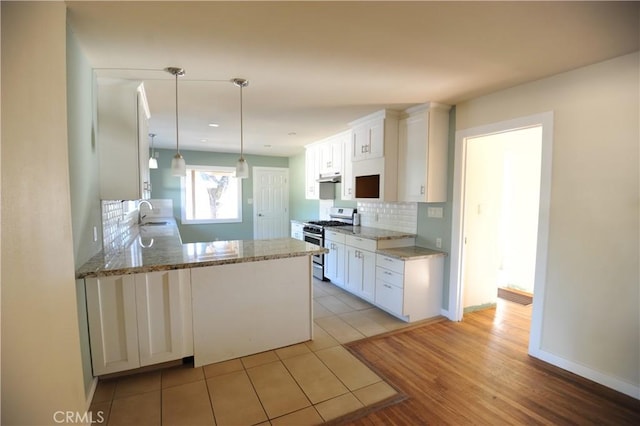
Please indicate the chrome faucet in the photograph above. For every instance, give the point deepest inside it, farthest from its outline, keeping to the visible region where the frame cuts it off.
(140, 203)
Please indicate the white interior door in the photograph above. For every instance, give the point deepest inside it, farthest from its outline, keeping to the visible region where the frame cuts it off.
(271, 203)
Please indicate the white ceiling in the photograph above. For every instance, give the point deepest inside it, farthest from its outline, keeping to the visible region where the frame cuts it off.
(314, 66)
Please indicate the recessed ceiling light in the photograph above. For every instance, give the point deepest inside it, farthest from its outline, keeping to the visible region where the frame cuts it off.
(214, 125)
(204, 140)
(267, 146)
(292, 133)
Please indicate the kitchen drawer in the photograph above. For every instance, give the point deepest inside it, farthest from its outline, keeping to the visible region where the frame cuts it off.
(361, 243)
(392, 263)
(389, 297)
(390, 277)
(334, 236)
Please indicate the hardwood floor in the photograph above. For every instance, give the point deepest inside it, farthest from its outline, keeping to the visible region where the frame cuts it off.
(478, 372)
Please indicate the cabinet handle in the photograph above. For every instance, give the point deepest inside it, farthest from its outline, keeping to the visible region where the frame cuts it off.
(349, 192)
(387, 286)
(421, 189)
(387, 259)
(388, 273)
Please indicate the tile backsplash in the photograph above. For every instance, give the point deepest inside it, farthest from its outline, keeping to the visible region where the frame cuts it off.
(118, 220)
(401, 217)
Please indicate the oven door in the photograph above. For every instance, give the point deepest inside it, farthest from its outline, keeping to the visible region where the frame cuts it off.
(318, 259)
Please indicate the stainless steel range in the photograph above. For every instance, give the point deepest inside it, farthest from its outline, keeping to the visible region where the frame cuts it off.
(313, 232)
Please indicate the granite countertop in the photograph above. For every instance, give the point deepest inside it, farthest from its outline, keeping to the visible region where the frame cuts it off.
(371, 233)
(410, 252)
(166, 252)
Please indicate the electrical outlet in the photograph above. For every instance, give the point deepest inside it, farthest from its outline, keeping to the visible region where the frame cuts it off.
(435, 212)
(95, 234)
(439, 242)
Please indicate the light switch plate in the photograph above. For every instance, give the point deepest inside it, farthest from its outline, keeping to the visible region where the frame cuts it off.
(435, 212)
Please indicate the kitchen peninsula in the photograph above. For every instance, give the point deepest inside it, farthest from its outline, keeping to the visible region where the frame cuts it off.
(159, 300)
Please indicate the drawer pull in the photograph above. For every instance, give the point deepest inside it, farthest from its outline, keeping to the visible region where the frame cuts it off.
(387, 286)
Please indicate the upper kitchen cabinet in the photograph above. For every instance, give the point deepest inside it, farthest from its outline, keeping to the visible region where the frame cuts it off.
(330, 156)
(123, 142)
(347, 168)
(374, 136)
(422, 154)
(312, 172)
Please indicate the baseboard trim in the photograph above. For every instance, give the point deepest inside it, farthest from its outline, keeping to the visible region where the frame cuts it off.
(588, 373)
(92, 391)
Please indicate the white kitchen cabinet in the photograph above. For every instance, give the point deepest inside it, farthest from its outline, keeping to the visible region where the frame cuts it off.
(139, 319)
(347, 166)
(360, 272)
(422, 154)
(312, 173)
(296, 230)
(375, 136)
(334, 261)
(123, 140)
(409, 289)
(330, 156)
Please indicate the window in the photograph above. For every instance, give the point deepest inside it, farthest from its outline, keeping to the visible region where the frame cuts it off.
(211, 194)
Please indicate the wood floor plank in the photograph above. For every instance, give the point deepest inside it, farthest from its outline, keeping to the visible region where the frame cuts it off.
(478, 371)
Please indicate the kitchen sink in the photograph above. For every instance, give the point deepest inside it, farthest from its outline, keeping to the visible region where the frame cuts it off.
(155, 223)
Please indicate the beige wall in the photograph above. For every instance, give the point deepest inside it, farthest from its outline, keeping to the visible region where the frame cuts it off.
(591, 314)
(41, 365)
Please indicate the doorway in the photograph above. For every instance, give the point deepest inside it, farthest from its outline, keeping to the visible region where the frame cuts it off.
(500, 217)
(271, 202)
(464, 145)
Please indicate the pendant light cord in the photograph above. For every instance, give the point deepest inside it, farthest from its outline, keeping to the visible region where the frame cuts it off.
(177, 138)
(241, 126)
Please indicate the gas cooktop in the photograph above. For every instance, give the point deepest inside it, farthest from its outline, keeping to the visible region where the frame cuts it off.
(328, 223)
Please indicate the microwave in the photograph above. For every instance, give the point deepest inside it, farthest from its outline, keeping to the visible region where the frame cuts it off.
(367, 186)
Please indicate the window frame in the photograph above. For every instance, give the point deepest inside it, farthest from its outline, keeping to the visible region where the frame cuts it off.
(183, 194)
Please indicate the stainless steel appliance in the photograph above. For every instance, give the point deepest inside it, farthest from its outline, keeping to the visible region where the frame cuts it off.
(313, 232)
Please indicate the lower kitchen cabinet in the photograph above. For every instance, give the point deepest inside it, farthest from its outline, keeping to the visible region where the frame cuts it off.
(296, 230)
(138, 320)
(335, 259)
(360, 271)
(409, 289)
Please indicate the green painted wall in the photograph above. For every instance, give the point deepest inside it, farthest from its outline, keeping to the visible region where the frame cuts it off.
(431, 228)
(164, 185)
(83, 180)
(300, 208)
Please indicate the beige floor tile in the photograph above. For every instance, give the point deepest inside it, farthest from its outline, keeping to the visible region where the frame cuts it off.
(339, 330)
(104, 390)
(181, 375)
(321, 339)
(388, 321)
(327, 287)
(224, 367)
(100, 412)
(138, 383)
(234, 400)
(354, 302)
(318, 292)
(315, 379)
(374, 393)
(259, 359)
(187, 404)
(142, 409)
(306, 416)
(293, 350)
(353, 373)
(278, 392)
(338, 406)
(334, 304)
(363, 323)
(319, 311)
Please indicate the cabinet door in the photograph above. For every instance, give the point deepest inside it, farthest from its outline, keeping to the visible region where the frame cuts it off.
(334, 262)
(296, 231)
(347, 168)
(312, 187)
(359, 142)
(143, 146)
(389, 297)
(111, 311)
(413, 158)
(376, 139)
(368, 286)
(353, 270)
(163, 302)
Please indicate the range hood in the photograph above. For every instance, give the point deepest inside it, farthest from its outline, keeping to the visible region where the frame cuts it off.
(330, 178)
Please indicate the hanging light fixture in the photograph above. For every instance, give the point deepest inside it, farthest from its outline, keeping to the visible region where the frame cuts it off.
(153, 162)
(242, 167)
(178, 166)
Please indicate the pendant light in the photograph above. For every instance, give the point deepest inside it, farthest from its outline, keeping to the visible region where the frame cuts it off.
(153, 162)
(242, 167)
(178, 166)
